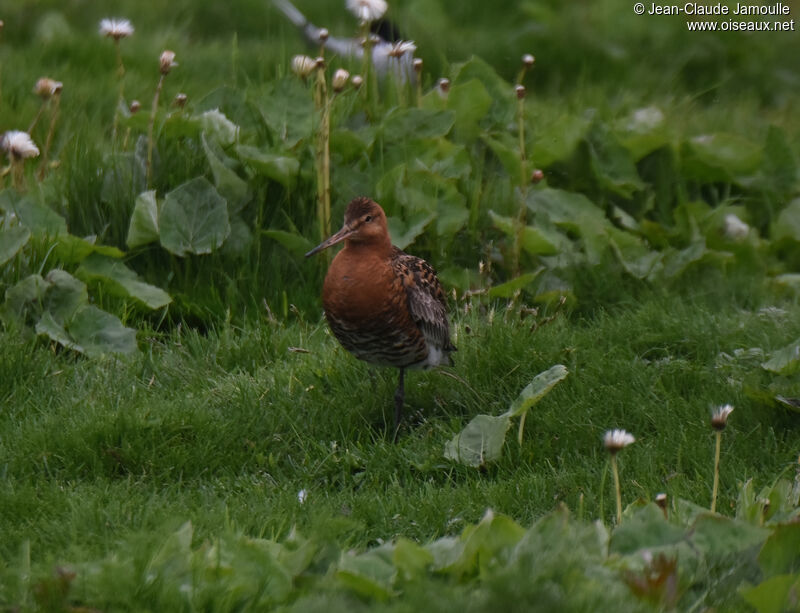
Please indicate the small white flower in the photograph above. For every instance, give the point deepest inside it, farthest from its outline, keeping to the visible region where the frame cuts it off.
(614, 440)
(167, 61)
(443, 87)
(116, 28)
(401, 47)
(735, 228)
(367, 10)
(302, 495)
(357, 81)
(302, 65)
(719, 416)
(340, 79)
(19, 145)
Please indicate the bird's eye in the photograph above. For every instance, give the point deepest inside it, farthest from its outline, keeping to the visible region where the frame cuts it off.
(368, 218)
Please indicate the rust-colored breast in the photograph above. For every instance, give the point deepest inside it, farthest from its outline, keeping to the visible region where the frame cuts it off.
(367, 307)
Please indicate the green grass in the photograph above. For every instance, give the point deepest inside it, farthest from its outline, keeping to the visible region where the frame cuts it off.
(226, 428)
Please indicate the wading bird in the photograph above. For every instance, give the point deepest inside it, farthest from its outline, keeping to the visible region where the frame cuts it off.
(386, 307)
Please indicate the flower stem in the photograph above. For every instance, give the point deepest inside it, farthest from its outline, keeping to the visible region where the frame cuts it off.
(150, 125)
(323, 155)
(55, 103)
(715, 490)
(617, 487)
(120, 95)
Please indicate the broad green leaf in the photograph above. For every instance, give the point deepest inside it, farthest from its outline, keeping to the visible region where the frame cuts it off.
(784, 361)
(480, 442)
(470, 102)
(450, 218)
(643, 131)
(509, 288)
(780, 167)
(557, 141)
(634, 255)
(30, 290)
(645, 529)
(49, 327)
(121, 281)
(532, 239)
(501, 92)
(781, 551)
(41, 220)
(143, 228)
(787, 225)
(720, 157)
(410, 559)
(774, 595)
(294, 243)
(369, 574)
(278, 167)
(288, 110)
(99, 332)
(462, 278)
(11, 241)
(537, 389)
(715, 535)
(65, 295)
(193, 219)
(404, 233)
(240, 239)
(507, 151)
(74, 249)
(229, 185)
(612, 164)
(217, 126)
(402, 123)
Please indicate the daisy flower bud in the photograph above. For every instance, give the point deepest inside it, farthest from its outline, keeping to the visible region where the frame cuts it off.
(340, 79)
(134, 107)
(528, 60)
(357, 81)
(520, 91)
(323, 34)
(537, 176)
(719, 416)
(180, 100)
(302, 65)
(418, 65)
(46, 87)
(443, 87)
(167, 61)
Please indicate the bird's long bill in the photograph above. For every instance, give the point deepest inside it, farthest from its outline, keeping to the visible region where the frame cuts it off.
(328, 242)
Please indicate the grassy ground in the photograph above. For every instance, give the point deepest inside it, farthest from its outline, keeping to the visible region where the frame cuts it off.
(226, 428)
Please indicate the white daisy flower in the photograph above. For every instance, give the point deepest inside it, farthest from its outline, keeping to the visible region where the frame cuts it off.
(46, 87)
(167, 61)
(302, 65)
(614, 440)
(401, 47)
(367, 10)
(735, 229)
(340, 79)
(19, 145)
(116, 28)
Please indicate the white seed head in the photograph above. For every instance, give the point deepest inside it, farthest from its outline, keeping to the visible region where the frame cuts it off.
(357, 81)
(719, 416)
(367, 10)
(735, 229)
(614, 440)
(167, 61)
(134, 106)
(340, 79)
(116, 28)
(19, 145)
(528, 60)
(302, 65)
(47, 87)
(401, 47)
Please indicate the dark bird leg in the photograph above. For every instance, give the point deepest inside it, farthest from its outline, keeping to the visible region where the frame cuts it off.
(399, 398)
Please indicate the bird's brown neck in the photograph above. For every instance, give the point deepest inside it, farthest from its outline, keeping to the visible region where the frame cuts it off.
(375, 247)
